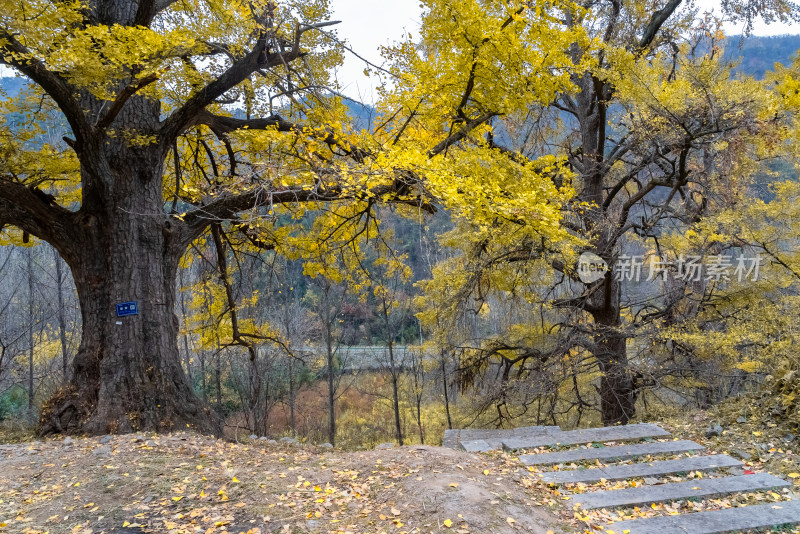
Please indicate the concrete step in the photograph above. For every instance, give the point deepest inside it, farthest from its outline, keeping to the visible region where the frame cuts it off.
(586, 435)
(620, 472)
(705, 487)
(618, 452)
(714, 522)
(483, 440)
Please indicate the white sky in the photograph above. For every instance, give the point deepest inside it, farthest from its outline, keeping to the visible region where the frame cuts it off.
(759, 27)
(367, 25)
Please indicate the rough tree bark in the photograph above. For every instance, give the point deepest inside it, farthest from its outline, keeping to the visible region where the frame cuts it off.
(617, 388)
(127, 373)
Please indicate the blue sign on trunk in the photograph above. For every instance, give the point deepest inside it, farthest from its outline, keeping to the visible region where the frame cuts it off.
(127, 308)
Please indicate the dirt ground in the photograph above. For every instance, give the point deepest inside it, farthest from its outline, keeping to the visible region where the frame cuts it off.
(187, 483)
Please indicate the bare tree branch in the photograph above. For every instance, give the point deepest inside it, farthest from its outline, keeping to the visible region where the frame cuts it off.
(226, 207)
(656, 21)
(461, 133)
(258, 58)
(221, 125)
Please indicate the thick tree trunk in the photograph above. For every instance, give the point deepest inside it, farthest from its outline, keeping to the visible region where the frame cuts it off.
(617, 387)
(187, 353)
(127, 374)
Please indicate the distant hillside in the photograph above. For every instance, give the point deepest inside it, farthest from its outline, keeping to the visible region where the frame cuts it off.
(759, 54)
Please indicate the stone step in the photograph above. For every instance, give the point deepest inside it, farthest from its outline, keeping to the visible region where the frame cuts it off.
(470, 434)
(523, 431)
(619, 472)
(619, 452)
(484, 440)
(481, 445)
(715, 522)
(705, 487)
(586, 435)
(450, 439)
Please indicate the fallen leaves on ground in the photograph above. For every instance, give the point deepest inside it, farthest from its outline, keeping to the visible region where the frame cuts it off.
(184, 483)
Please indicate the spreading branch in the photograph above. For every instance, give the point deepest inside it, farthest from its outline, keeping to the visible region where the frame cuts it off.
(258, 58)
(16, 55)
(35, 213)
(227, 206)
(221, 126)
(656, 21)
(461, 133)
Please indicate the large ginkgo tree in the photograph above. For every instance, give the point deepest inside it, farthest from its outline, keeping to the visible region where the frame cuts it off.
(146, 125)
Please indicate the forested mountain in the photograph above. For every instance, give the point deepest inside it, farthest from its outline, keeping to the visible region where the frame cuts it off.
(757, 55)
